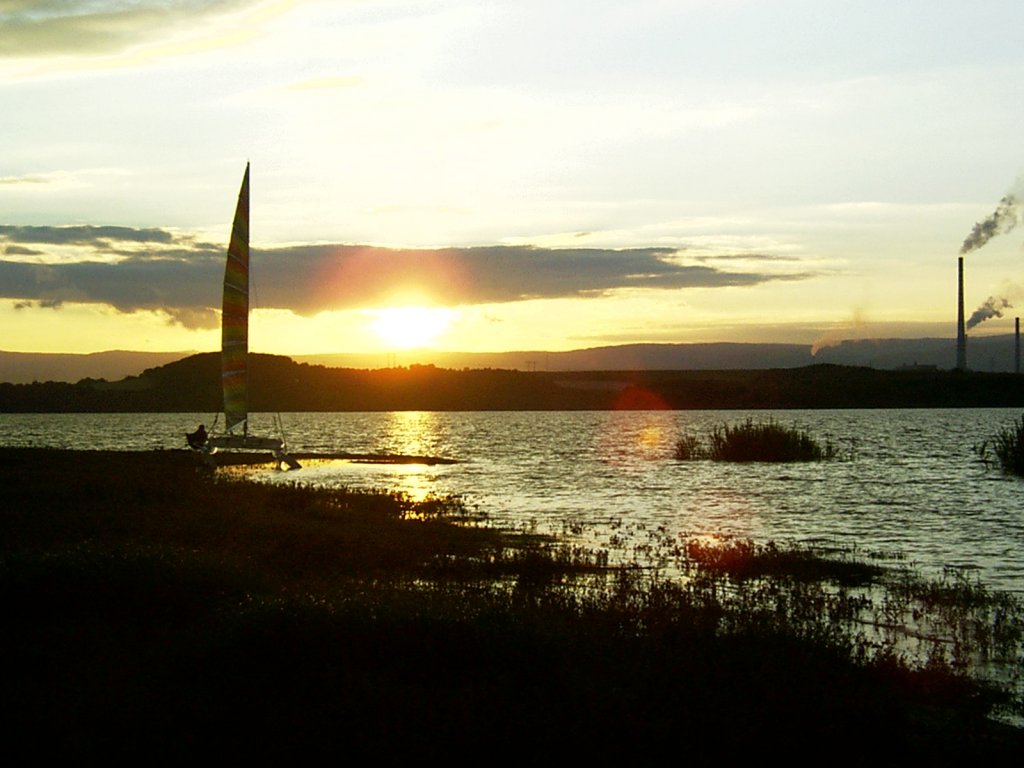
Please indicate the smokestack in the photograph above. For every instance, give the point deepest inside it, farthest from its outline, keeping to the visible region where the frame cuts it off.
(1016, 345)
(961, 331)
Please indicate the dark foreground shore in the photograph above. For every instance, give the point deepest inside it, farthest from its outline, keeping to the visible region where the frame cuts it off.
(154, 610)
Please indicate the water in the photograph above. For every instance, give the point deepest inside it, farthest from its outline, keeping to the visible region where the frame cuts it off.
(911, 483)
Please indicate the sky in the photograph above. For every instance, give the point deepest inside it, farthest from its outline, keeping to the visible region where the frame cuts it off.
(495, 175)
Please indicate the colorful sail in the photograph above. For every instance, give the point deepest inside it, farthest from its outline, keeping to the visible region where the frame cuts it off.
(235, 316)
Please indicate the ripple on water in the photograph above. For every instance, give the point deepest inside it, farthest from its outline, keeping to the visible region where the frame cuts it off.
(911, 482)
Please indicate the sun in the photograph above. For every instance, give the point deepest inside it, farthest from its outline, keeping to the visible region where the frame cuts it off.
(410, 327)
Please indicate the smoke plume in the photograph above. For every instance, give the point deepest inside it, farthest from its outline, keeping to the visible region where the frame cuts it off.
(1006, 217)
(992, 307)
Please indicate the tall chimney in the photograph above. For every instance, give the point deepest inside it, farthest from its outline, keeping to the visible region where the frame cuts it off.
(1016, 345)
(961, 332)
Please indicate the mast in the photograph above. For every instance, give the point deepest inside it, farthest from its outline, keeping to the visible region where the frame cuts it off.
(234, 322)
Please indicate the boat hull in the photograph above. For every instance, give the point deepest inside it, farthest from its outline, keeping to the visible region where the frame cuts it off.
(245, 443)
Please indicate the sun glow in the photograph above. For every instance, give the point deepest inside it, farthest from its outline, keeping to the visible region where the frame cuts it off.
(411, 327)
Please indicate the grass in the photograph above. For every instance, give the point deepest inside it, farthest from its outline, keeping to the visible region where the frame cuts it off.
(951, 621)
(1008, 447)
(153, 609)
(771, 442)
(744, 559)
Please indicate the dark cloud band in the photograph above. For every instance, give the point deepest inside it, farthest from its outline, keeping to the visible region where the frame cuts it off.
(182, 277)
(83, 235)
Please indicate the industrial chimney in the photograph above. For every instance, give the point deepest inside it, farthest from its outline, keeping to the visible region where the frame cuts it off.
(961, 332)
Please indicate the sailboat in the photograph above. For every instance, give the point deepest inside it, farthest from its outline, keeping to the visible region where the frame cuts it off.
(234, 326)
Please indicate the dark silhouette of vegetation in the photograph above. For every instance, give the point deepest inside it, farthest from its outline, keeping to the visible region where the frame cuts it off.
(1008, 447)
(278, 384)
(754, 442)
(744, 559)
(152, 607)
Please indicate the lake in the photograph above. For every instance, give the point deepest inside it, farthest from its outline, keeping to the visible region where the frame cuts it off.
(909, 481)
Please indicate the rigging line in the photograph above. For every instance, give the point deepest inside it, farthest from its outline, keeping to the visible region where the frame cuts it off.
(254, 294)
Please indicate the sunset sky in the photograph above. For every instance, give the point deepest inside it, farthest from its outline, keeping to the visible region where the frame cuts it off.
(489, 175)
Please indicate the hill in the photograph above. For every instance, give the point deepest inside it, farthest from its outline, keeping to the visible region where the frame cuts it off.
(990, 353)
(26, 367)
(192, 385)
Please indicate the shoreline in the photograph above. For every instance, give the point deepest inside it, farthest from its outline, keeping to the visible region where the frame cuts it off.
(233, 458)
(154, 606)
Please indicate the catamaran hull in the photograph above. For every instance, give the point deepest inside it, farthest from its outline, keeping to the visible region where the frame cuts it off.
(245, 443)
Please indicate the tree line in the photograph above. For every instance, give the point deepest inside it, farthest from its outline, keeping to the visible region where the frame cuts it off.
(279, 384)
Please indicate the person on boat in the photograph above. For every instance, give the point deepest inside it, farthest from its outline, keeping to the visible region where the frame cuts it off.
(197, 439)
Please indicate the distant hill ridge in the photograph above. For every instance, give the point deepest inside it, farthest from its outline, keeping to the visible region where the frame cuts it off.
(25, 367)
(279, 384)
(990, 353)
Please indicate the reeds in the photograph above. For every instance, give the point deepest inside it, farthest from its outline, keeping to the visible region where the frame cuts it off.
(150, 608)
(770, 442)
(1008, 446)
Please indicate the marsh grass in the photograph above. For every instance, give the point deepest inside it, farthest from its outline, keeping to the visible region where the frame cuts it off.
(749, 441)
(151, 608)
(952, 627)
(1008, 447)
(744, 559)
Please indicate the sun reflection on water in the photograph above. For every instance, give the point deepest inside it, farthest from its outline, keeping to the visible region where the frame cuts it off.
(414, 480)
(412, 433)
(646, 436)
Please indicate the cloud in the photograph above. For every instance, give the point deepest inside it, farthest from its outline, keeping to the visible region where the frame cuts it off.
(174, 287)
(52, 181)
(157, 270)
(20, 250)
(182, 277)
(32, 28)
(84, 235)
(775, 257)
(33, 180)
(309, 279)
(42, 304)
